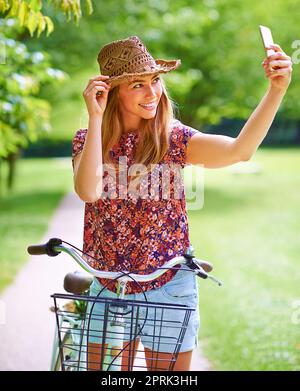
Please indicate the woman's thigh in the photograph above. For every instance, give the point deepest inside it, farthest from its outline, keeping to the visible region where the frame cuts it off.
(163, 328)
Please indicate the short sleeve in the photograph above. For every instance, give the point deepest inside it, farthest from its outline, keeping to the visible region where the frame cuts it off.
(78, 143)
(180, 136)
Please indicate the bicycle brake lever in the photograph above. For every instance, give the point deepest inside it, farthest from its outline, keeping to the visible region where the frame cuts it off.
(202, 273)
(193, 263)
(215, 280)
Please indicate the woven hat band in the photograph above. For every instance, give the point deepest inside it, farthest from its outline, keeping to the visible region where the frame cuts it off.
(140, 63)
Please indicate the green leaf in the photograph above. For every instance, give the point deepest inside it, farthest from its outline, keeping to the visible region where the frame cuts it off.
(41, 24)
(77, 11)
(89, 7)
(68, 15)
(14, 9)
(32, 22)
(50, 26)
(23, 13)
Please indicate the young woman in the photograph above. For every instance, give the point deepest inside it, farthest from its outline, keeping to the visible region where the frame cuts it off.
(131, 117)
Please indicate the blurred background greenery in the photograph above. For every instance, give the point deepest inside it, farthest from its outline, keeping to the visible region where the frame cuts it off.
(249, 225)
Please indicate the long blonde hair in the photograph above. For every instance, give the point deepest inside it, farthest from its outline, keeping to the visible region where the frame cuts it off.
(154, 133)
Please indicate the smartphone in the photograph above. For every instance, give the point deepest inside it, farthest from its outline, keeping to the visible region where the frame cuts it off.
(267, 39)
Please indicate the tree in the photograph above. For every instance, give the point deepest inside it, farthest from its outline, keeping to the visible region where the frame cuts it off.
(29, 15)
(24, 116)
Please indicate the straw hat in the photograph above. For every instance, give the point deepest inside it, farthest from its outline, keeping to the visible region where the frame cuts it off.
(127, 58)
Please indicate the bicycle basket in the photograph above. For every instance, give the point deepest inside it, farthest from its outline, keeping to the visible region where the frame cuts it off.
(96, 333)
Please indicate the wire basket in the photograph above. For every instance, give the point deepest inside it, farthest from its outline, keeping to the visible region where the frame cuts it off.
(90, 339)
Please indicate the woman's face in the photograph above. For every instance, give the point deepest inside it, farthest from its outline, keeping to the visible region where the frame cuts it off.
(136, 96)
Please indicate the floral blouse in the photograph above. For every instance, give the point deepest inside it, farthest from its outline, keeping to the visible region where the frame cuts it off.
(138, 234)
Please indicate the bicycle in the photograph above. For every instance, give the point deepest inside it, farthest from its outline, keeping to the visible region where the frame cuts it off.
(70, 345)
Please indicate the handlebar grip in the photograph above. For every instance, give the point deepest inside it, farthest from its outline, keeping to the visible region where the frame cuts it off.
(47, 248)
(38, 249)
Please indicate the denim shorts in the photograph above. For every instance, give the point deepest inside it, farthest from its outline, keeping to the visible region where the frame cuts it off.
(182, 290)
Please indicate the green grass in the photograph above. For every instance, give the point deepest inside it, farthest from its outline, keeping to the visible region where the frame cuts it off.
(26, 212)
(249, 228)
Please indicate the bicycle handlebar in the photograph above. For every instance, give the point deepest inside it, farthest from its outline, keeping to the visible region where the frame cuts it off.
(45, 249)
(54, 247)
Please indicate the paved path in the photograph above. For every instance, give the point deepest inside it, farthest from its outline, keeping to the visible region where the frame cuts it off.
(26, 324)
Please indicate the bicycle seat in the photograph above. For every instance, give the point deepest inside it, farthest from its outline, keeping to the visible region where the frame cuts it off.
(77, 282)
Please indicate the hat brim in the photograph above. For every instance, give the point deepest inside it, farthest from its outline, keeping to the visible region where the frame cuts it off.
(162, 66)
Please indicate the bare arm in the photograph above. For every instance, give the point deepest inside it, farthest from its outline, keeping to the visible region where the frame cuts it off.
(88, 164)
(211, 150)
(214, 151)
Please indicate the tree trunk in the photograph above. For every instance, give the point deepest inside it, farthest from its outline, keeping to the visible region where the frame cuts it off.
(11, 161)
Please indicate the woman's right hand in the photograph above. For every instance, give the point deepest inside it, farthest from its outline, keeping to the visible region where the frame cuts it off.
(96, 104)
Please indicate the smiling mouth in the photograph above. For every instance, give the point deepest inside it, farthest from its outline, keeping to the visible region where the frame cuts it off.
(148, 106)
